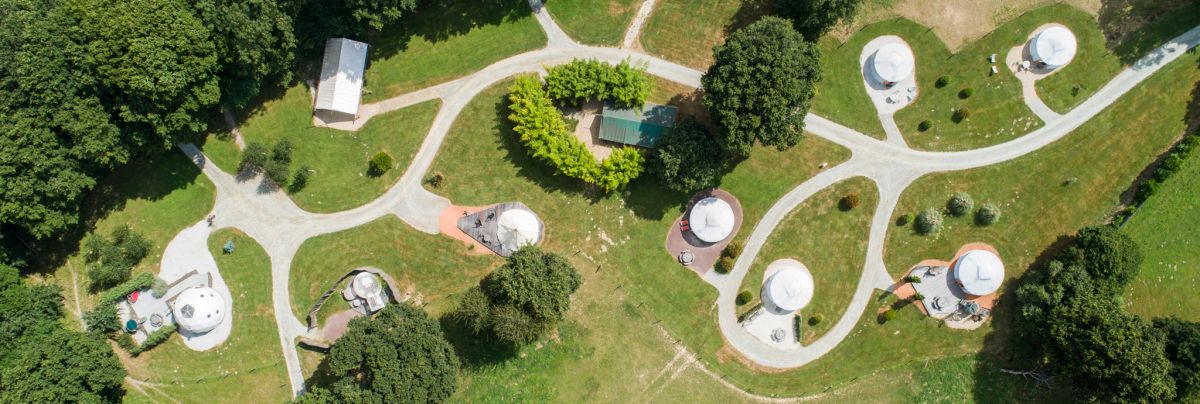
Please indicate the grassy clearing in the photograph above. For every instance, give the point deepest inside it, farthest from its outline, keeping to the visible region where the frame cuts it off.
(594, 22)
(831, 242)
(1165, 226)
(435, 267)
(842, 96)
(445, 41)
(338, 158)
(247, 366)
(685, 31)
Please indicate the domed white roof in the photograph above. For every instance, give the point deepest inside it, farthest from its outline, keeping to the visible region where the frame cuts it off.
(518, 228)
(892, 63)
(199, 309)
(980, 272)
(365, 284)
(791, 287)
(711, 219)
(1054, 46)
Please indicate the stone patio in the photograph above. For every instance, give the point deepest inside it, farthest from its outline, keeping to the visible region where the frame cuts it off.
(704, 254)
(942, 293)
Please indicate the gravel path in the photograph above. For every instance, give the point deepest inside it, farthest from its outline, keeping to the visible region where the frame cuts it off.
(270, 217)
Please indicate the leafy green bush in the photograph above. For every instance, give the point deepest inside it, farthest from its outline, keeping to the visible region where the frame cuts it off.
(724, 265)
(987, 214)
(912, 279)
(733, 250)
(110, 259)
(254, 157)
(942, 81)
(115, 294)
(960, 204)
(815, 319)
(155, 338)
(966, 93)
(102, 319)
(158, 288)
(744, 297)
(580, 80)
(918, 297)
(924, 125)
(849, 202)
(688, 158)
(960, 114)
(545, 136)
(278, 171)
(282, 151)
(904, 220)
(436, 180)
(379, 164)
(889, 315)
(300, 179)
(929, 221)
(1169, 166)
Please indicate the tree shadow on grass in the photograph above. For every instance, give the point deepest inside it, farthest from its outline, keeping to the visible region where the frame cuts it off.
(474, 351)
(437, 21)
(1133, 27)
(1192, 116)
(749, 12)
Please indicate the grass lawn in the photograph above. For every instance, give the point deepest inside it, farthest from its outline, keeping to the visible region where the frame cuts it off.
(338, 158)
(685, 31)
(1165, 226)
(435, 267)
(248, 366)
(832, 243)
(594, 22)
(447, 40)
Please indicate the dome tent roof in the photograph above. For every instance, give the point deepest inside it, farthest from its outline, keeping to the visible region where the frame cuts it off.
(892, 63)
(199, 309)
(980, 272)
(517, 228)
(1054, 46)
(790, 288)
(711, 219)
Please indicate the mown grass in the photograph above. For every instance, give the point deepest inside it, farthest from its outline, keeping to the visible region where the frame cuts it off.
(1165, 226)
(447, 40)
(594, 22)
(247, 366)
(685, 31)
(830, 241)
(339, 179)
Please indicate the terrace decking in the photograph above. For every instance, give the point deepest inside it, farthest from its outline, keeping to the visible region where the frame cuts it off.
(483, 226)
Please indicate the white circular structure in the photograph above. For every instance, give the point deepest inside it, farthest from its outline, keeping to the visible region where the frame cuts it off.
(518, 228)
(1053, 47)
(790, 288)
(365, 284)
(711, 219)
(892, 63)
(199, 309)
(980, 272)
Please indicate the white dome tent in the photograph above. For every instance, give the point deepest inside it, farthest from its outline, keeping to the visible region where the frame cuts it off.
(790, 288)
(892, 63)
(199, 309)
(979, 272)
(518, 228)
(711, 219)
(1053, 47)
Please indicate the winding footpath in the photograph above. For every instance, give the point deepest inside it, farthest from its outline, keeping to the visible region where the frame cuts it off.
(280, 226)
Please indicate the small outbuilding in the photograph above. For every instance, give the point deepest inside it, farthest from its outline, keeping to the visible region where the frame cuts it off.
(342, 70)
(1053, 47)
(636, 127)
(892, 63)
(790, 288)
(711, 219)
(979, 272)
(199, 309)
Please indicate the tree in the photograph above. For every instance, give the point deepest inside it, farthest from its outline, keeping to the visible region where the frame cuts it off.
(378, 13)
(688, 158)
(50, 367)
(473, 312)
(514, 326)
(41, 183)
(1183, 350)
(1045, 289)
(537, 282)
(1111, 257)
(254, 157)
(255, 44)
(760, 85)
(102, 320)
(110, 259)
(318, 20)
(814, 18)
(400, 355)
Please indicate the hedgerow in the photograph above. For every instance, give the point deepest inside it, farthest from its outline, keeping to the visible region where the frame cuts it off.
(573, 83)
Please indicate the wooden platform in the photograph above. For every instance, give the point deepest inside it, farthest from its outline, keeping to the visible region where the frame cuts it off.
(482, 226)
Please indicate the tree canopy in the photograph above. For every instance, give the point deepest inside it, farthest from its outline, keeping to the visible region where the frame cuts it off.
(1111, 257)
(760, 85)
(813, 18)
(400, 355)
(688, 158)
(1183, 350)
(521, 299)
(255, 44)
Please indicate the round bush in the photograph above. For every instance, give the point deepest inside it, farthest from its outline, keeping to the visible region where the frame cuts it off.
(960, 204)
(889, 315)
(966, 93)
(814, 320)
(961, 114)
(918, 297)
(942, 81)
(850, 201)
(724, 265)
(924, 125)
(733, 250)
(381, 163)
(904, 220)
(987, 214)
(744, 297)
(929, 221)
(436, 180)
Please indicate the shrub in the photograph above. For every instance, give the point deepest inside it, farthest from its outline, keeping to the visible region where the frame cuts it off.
(912, 279)
(115, 294)
(888, 315)
(966, 93)
(924, 125)
(744, 297)
(815, 319)
(102, 319)
(278, 172)
(580, 80)
(300, 179)
(724, 265)
(379, 164)
(254, 157)
(1146, 190)
(158, 288)
(437, 180)
(733, 250)
(110, 259)
(961, 114)
(155, 338)
(942, 81)
(849, 202)
(987, 214)
(929, 221)
(282, 151)
(918, 297)
(960, 204)
(904, 220)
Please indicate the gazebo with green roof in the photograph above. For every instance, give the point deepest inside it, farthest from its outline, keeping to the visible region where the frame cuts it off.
(636, 127)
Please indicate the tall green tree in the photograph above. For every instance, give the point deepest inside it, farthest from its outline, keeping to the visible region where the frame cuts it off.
(761, 84)
(688, 158)
(537, 282)
(1183, 350)
(813, 18)
(41, 183)
(255, 43)
(1111, 257)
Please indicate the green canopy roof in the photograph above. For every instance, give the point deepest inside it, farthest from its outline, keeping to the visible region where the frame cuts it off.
(636, 127)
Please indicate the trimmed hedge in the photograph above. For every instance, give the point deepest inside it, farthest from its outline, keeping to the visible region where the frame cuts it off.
(580, 80)
(545, 136)
(116, 293)
(155, 338)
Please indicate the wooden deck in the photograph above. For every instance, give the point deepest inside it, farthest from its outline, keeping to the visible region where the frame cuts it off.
(482, 226)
